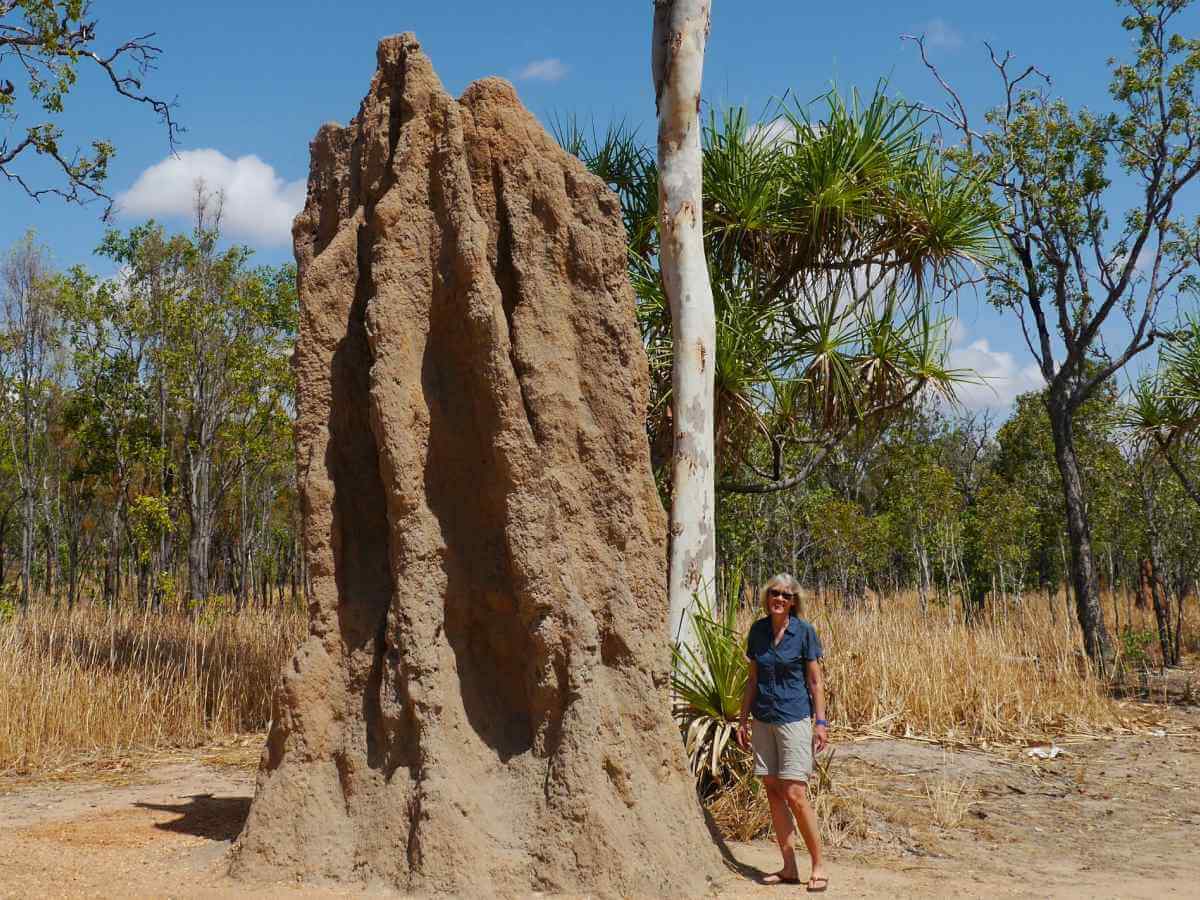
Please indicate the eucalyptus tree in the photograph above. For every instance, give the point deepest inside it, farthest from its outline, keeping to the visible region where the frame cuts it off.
(52, 490)
(78, 509)
(258, 439)
(153, 272)
(1076, 264)
(28, 339)
(183, 393)
(919, 493)
(110, 414)
(10, 494)
(228, 334)
(999, 529)
(1026, 458)
(677, 53)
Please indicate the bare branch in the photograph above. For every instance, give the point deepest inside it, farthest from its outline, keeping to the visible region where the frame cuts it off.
(143, 54)
(955, 102)
(827, 447)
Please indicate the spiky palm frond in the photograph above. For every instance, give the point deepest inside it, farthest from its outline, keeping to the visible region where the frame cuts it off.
(1181, 362)
(926, 354)
(824, 232)
(947, 223)
(708, 682)
(826, 353)
(1164, 408)
(627, 166)
(1150, 414)
(742, 373)
(842, 178)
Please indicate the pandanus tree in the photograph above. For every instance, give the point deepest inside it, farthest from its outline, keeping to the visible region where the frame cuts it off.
(1164, 409)
(832, 242)
(1162, 415)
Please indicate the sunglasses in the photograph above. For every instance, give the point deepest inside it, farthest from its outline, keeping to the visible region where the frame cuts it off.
(775, 592)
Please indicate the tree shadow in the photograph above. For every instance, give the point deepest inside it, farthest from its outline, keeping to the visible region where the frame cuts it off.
(206, 816)
(745, 870)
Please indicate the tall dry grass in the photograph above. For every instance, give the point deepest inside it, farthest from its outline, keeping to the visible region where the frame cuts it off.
(100, 684)
(94, 683)
(892, 668)
(1018, 675)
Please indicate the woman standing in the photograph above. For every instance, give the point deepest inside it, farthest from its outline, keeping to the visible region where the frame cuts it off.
(786, 695)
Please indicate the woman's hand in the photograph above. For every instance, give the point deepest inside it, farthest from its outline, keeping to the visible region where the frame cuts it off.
(743, 734)
(820, 738)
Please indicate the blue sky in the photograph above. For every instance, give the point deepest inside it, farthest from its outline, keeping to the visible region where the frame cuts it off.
(254, 80)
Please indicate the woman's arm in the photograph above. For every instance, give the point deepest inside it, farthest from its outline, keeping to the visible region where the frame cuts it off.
(815, 677)
(748, 695)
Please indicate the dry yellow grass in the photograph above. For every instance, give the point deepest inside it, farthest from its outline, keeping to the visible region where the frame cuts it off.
(741, 812)
(1017, 677)
(102, 684)
(949, 800)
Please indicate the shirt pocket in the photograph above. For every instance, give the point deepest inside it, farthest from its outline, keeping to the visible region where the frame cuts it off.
(791, 669)
(770, 667)
(790, 656)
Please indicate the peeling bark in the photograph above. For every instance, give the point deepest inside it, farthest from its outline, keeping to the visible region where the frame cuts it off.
(680, 34)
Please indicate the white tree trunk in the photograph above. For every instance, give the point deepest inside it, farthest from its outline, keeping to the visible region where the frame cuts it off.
(680, 33)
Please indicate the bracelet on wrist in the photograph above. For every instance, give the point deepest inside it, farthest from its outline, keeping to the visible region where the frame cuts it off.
(821, 722)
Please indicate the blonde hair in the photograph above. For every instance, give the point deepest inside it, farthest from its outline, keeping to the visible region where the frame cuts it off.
(789, 584)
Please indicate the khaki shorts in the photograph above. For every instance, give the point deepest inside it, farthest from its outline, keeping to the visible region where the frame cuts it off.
(784, 749)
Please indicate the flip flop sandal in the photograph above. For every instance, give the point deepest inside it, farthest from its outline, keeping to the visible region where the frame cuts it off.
(816, 890)
(779, 878)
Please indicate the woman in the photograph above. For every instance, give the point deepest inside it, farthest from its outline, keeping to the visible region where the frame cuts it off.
(786, 695)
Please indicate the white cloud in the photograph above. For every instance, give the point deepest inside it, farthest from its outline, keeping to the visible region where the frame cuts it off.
(1000, 378)
(775, 132)
(940, 33)
(259, 204)
(544, 70)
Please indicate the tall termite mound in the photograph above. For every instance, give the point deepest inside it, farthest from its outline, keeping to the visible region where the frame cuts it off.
(482, 703)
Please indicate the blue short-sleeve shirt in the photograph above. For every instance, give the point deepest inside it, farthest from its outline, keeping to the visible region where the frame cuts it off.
(782, 686)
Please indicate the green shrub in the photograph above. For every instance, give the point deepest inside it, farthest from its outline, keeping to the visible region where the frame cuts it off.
(708, 682)
(1134, 646)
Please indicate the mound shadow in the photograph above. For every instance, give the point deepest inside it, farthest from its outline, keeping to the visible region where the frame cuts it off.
(206, 816)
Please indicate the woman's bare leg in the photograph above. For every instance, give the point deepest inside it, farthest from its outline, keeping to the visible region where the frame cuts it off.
(796, 795)
(785, 831)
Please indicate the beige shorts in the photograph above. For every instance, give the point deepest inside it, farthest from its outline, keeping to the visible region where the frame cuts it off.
(784, 750)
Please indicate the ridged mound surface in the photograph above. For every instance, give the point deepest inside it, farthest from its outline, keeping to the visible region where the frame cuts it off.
(482, 703)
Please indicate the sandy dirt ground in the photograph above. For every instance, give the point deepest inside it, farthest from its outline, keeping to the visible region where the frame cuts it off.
(1117, 817)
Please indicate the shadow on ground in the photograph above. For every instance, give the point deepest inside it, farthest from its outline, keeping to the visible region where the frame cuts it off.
(745, 870)
(206, 816)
